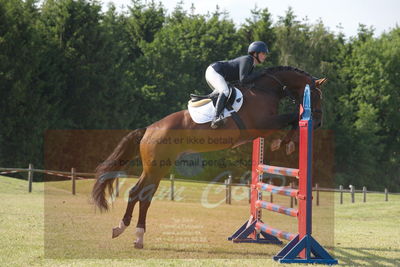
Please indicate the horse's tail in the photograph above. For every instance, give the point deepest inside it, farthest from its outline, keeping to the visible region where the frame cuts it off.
(127, 149)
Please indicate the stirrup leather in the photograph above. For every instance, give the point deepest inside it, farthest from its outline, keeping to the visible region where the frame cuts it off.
(219, 115)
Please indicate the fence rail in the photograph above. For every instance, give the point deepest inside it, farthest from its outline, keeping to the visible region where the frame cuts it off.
(51, 172)
(73, 175)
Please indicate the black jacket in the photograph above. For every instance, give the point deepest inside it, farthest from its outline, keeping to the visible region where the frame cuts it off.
(237, 70)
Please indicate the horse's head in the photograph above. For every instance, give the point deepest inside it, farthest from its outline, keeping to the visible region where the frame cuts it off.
(316, 101)
(290, 82)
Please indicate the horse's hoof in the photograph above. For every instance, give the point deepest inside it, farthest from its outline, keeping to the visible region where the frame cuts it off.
(276, 144)
(139, 238)
(138, 245)
(290, 148)
(117, 231)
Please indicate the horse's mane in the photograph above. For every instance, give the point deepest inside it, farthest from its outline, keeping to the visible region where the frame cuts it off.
(272, 70)
(275, 69)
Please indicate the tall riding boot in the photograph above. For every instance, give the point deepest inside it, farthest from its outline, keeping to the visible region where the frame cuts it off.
(219, 116)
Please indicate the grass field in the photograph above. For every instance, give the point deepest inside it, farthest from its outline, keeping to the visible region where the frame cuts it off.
(51, 227)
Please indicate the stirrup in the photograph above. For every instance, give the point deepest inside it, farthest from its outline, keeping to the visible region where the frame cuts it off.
(218, 122)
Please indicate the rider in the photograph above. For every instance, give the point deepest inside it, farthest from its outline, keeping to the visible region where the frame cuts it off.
(236, 70)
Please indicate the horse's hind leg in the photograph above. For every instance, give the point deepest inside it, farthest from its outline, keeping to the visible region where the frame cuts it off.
(154, 157)
(132, 199)
(144, 203)
(143, 193)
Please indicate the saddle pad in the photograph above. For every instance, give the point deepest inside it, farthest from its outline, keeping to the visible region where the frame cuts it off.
(206, 113)
(199, 103)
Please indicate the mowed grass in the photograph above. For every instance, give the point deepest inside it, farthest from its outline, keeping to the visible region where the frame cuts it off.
(51, 227)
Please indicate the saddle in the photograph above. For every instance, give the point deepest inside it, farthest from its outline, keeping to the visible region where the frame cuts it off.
(200, 100)
(202, 107)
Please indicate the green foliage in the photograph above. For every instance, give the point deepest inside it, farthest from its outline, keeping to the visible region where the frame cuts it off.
(370, 114)
(144, 21)
(23, 109)
(183, 49)
(260, 27)
(66, 64)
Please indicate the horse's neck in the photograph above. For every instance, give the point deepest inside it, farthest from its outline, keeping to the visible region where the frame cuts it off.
(262, 100)
(263, 92)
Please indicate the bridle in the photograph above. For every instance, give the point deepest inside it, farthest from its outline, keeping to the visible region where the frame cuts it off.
(293, 99)
(286, 92)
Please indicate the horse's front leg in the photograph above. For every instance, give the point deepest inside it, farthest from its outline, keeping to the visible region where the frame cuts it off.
(290, 141)
(281, 121)
(291, 138)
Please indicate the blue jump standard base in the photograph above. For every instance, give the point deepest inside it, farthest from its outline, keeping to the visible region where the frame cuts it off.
(242, 235)
(289, 254)
(315, 253)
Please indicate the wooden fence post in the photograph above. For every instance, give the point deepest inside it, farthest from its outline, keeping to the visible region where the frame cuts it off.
(317, 190)
(291, 198)
(230, 188)
(352, 191)
(341, 193)
(271, 196)
(172, 179)
(228, 194)
(117, 187)
(249, 183)
(386, 194)
(73, 181)
(364, 194)
(30, 177)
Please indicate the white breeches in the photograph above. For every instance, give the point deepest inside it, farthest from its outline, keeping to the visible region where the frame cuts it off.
(216, 81)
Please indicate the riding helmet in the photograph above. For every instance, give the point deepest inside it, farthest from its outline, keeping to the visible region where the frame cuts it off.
(258, 47)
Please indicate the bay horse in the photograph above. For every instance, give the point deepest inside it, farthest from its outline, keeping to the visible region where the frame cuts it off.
(166, 139)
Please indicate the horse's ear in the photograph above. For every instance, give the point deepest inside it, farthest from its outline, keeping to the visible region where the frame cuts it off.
(320, 82)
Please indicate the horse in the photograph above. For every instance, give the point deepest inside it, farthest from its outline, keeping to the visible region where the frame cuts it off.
(175, 134)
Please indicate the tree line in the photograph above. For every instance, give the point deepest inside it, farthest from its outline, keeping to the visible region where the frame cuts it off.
(68, 64)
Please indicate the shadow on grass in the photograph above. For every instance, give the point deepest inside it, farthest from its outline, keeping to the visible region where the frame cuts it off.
(366, 256)
(220, 253)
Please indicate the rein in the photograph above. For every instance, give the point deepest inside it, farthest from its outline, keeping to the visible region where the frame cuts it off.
(284, 88)
(289, 94)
